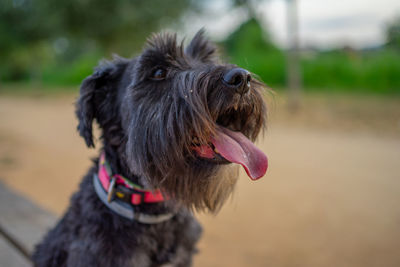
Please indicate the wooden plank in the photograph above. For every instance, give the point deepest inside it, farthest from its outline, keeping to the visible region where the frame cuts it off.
(22, 221)
(10, 257)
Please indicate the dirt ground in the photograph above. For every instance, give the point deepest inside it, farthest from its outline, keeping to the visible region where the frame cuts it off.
(330, 198)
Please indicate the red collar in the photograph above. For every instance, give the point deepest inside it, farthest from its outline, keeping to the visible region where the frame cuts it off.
(118, 187)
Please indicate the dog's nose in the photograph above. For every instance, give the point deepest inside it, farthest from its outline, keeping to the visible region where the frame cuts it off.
(239, 79)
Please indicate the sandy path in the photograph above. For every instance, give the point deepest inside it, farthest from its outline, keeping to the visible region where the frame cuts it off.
(330, 198)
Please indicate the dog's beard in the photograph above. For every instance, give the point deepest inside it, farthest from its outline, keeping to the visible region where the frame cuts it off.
(197, 184)
(218, 188)
(204, 187)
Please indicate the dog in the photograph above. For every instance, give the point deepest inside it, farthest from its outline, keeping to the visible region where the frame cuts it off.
(176, 126)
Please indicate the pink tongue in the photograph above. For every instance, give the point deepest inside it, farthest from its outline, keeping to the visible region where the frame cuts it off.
(236, 148)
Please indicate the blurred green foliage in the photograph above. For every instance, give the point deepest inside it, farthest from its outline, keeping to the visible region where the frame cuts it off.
(375, 70)
(54, 42)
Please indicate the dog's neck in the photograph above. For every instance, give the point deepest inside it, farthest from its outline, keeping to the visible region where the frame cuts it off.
(115, 159)
(118, 165)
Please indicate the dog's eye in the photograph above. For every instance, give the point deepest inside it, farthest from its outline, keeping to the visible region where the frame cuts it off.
(159, 74)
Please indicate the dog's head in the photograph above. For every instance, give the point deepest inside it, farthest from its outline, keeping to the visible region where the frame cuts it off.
(178, 118)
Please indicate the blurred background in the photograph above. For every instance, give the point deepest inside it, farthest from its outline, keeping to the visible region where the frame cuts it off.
(331, 195)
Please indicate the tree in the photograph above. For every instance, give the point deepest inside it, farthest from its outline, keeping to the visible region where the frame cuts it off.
(30, 29)
(393, 34)
(250, 47)
(293, 71)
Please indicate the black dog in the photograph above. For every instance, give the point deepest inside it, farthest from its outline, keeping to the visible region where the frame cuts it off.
(172, 121)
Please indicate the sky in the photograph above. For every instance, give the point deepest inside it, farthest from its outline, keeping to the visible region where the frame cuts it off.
(322, 23)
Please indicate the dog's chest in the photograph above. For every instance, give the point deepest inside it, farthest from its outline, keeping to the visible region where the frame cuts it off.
(173, 246)
(142, 258)
(146, 262)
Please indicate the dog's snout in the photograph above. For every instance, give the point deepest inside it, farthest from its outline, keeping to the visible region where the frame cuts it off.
(239, 79)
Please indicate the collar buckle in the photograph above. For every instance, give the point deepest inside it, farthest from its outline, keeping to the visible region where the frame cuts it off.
(118, 187)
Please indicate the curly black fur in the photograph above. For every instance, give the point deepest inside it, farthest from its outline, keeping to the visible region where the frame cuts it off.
(148, 126)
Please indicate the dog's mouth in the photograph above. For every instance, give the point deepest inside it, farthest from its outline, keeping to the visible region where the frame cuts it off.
(228, 145)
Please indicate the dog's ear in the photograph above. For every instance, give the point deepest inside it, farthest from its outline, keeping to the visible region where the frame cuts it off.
(201, 48)
(94, 93)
